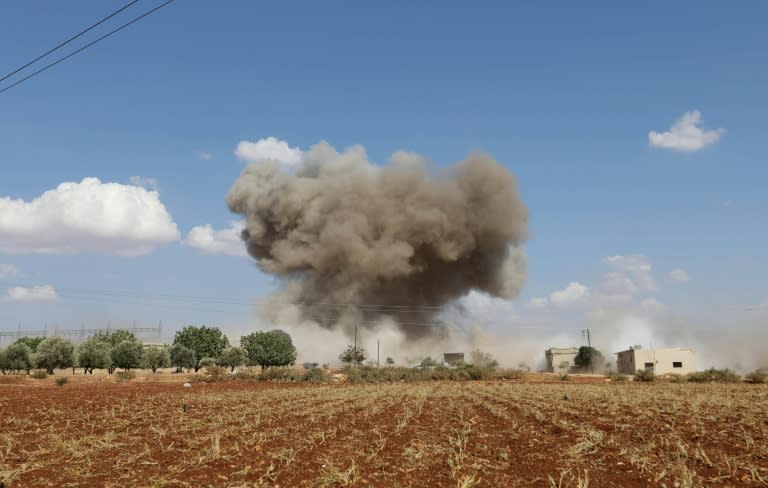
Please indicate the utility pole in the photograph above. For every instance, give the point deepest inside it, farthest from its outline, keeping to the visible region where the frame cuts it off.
(589, 344)
(378, 352)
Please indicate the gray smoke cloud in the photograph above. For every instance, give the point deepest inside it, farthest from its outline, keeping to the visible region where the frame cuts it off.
(354, 242)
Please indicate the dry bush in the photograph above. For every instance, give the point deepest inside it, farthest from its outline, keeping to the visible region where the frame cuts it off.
(757, 376)
(125, 375)
(713, 375)
(645, 376)
(39, 374)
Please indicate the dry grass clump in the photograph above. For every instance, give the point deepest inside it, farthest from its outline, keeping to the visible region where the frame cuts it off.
(713, 375)
(39, 374)
(757, 376)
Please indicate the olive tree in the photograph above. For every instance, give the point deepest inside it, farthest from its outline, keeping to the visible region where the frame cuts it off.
(94, 354)
(588, 358)
(207, 342)
(231, 358)
(182, 357)
(19, 357)
(54, 352)
(353, 355)
(156, 357)
(127, 354)
(4, 364)
(31, 342)
(266, 349)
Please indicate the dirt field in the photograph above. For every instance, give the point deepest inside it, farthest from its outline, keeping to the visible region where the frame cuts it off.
(495, 433)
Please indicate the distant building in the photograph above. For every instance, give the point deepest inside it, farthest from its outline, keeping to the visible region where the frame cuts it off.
(560, 360)
(660, 361)
(453, 358)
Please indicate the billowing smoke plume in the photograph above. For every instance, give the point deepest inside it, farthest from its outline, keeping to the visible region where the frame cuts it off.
(356, 242)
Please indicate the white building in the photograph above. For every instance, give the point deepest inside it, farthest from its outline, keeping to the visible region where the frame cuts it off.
(560, 360)
(660, 361)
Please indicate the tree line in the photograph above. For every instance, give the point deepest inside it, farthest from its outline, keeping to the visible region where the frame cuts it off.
(193, 347)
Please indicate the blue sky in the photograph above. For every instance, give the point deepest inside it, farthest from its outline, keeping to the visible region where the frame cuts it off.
(564, 94)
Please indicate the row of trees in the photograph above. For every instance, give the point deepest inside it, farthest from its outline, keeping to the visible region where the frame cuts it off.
(193, 348)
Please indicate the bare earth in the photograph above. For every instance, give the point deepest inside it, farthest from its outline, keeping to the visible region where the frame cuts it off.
(154, 432)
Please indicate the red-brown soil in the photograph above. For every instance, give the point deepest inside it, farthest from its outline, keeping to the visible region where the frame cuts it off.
(99, 432)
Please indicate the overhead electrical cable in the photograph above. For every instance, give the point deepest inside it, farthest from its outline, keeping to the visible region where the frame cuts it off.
(64, 58)
(68, 40)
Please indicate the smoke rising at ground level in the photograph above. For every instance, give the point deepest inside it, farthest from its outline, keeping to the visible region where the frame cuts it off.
(740, 349)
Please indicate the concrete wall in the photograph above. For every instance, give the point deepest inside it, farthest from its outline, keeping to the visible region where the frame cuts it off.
(660, 361)
(557, 357)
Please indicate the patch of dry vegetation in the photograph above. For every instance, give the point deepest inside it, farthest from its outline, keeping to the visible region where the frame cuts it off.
(440, 433)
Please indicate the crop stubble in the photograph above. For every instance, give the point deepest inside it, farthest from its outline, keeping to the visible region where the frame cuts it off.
(242, 434)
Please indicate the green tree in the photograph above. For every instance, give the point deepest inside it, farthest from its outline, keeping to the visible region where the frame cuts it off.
(4, 363)
(54, 352)
(115, 337)
(207, 342)
(127, 354)
(428, 362)
(232, 357)
(588, 359)
(19, 357)
(182, 357)
(353, 355)
(273, 348)
(31, 342)
(156, 357)
(94, 354)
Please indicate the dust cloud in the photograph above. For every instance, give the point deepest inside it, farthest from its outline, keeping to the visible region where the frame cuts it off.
(355, 244)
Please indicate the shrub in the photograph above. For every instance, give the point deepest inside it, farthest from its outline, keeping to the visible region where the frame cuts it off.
(617, 376)
(277, 374)
(242, 375)
(509, 374)
(645, 376)
(214, 373)
(757, 376)
(39, 374)
(125, 375)
(62, 381)
(205, 362)
(713, 375)
(315, 375)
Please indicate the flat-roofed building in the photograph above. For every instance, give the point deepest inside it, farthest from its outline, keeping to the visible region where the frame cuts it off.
(560, 359)
(680, 360)
(453, 358)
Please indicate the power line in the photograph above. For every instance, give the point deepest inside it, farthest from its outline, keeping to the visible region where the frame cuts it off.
(64, 58)
(68, 40)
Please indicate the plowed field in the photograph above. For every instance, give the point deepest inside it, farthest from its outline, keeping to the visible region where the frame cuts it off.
(240, 434)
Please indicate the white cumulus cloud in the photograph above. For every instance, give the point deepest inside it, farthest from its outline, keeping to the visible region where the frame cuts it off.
(211, 241)
(269, 149)
(537, 303)
(44, 293)
(150, 183)
(573, 294)
(685, 135)
(108, 218)
(8, 271)
(678, 276)
(630, 273)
